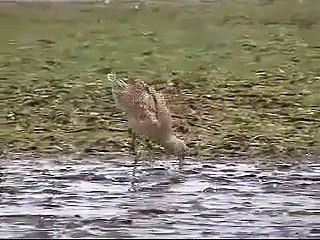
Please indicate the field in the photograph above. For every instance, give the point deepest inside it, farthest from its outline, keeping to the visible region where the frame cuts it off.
(241, 77)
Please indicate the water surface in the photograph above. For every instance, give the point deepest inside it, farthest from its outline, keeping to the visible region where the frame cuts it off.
(112, 197)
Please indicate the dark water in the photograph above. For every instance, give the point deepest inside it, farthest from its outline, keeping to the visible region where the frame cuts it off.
(111, 197)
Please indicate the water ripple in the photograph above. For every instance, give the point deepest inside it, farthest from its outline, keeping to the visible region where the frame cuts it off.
(95, 197)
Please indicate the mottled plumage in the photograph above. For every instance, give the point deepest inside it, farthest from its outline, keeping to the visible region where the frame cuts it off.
(147, 112)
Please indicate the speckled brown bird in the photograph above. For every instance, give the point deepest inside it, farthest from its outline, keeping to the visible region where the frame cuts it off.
(147, 113)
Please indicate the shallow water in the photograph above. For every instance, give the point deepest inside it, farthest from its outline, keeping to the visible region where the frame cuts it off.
(112, 197)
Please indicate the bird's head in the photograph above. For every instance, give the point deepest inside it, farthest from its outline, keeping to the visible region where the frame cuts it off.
(176, 146)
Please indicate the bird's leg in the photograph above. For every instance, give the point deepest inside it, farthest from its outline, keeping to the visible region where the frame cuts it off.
(132, 135)
(150, 152)
(133, 142)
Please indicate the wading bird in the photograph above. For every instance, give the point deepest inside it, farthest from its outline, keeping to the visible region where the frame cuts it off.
(147, 114)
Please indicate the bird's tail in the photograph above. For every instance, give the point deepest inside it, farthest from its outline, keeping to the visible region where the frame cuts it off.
(117, 85)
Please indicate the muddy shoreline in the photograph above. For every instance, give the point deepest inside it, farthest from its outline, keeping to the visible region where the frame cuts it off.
(240, 78)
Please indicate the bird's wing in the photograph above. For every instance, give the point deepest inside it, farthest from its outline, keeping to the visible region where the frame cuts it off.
(162, 112)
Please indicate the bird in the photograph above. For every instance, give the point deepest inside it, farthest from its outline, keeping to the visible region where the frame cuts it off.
(147, 114)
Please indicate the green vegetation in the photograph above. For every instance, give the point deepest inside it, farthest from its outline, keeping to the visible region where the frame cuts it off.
(240, 77)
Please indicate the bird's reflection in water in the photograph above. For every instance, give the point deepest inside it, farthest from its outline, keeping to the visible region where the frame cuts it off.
(172, 177)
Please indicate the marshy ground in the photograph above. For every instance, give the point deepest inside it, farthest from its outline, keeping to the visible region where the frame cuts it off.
(241, 77)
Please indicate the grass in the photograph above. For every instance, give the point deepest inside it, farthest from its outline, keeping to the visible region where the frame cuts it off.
(240, 77)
